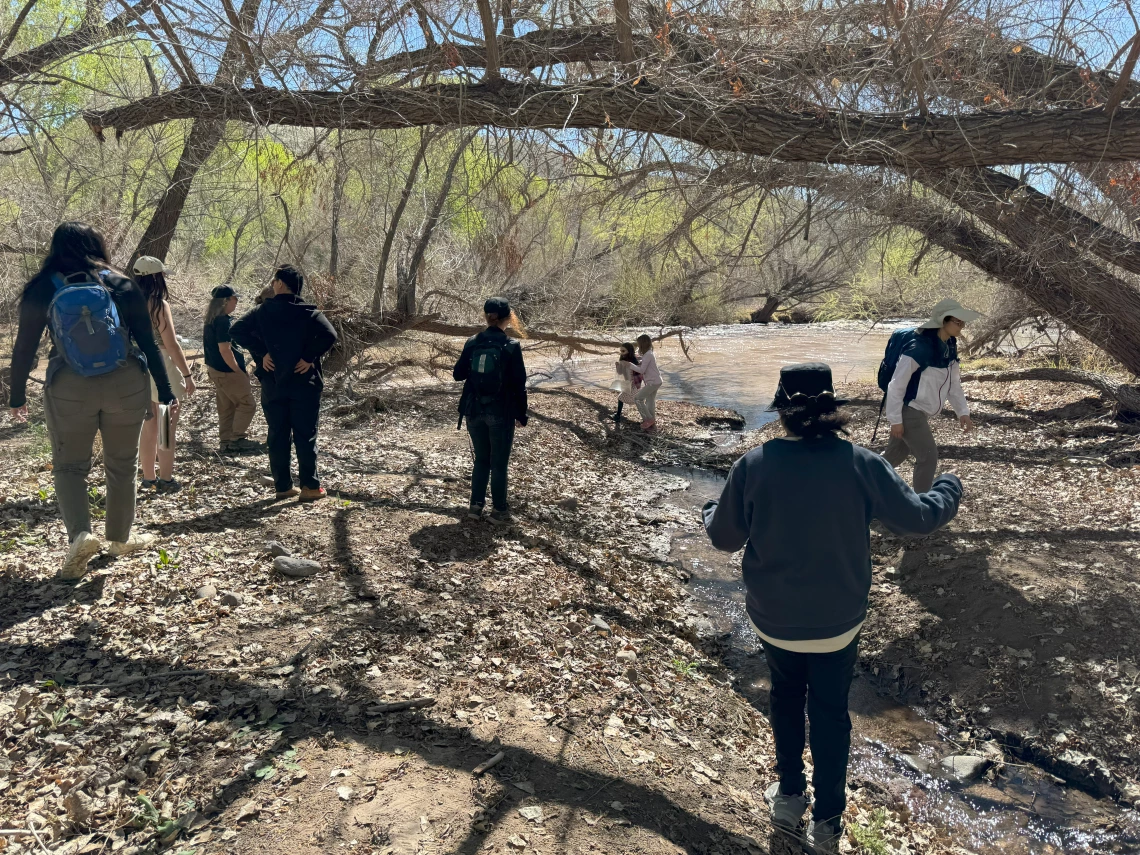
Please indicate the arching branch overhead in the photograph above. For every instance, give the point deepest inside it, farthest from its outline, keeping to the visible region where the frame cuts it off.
(936, 142)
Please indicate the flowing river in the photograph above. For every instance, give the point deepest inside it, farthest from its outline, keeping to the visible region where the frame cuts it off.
(1024, 811)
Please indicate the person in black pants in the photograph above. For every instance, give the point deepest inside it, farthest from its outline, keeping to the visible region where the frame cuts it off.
(287, 338)
(801, 507)
(493, 402)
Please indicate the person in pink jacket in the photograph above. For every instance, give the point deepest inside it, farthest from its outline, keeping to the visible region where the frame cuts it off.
(646, 398)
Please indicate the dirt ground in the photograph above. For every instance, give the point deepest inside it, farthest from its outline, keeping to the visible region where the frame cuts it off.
(1018, 622)
(194, 700)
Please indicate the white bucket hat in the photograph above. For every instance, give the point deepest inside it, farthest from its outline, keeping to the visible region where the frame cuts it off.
(949, 308)
(148, 265)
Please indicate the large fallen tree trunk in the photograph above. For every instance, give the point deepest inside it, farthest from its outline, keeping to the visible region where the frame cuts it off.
(723, 124)
(1125, 396)
(358, 331)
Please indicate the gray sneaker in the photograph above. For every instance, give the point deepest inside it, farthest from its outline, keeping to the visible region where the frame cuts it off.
(823, 837)
(475, 512)
(787, 811)
(501, 518)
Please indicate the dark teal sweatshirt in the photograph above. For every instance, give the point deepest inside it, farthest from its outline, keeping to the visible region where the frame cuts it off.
(802, 509)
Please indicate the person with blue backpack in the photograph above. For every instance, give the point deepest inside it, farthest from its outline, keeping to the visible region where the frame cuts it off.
(102, 346)
(494, 401)
(800, 506)
(919, 372)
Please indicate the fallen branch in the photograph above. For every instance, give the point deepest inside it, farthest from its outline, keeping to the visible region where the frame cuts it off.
(574, 342)
(487, 764)
(1126, 396)
(399, 706)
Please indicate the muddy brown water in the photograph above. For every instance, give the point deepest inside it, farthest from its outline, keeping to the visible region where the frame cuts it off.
(738, 366)
(1023, 811)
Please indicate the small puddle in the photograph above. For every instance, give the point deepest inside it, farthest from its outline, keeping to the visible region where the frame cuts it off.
(1023, 812)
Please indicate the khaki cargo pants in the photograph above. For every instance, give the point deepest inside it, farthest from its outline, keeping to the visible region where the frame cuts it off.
(235, 403)
(113, 405)
(918, 440)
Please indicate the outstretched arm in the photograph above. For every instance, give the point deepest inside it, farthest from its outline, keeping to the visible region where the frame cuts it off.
(727, 520)
(904, 511)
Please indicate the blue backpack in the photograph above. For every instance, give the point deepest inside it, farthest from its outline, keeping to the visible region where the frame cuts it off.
(895, 347)
(86, 326)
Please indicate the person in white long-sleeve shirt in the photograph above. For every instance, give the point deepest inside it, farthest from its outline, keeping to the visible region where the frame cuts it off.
(927, 375)
(646, 398)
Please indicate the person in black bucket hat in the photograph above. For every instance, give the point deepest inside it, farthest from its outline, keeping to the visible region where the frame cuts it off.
(801, 506)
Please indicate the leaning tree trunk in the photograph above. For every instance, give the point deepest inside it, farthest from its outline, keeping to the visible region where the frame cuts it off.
(205, 135)
(1102, 307)
(408, 268)
(1125, 396)
(764, 314)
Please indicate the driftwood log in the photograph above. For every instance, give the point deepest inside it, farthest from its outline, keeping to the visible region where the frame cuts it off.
(1125, 396)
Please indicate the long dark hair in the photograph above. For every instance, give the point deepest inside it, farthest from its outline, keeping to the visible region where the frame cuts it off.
(153, 287)
(815, 420)
(216, 308)
(630, 353)
(75, 248)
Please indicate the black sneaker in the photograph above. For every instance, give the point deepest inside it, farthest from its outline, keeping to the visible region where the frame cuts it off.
(501, 518)
(148, 486)
(244, 446)
(475, 512)
(171, 486)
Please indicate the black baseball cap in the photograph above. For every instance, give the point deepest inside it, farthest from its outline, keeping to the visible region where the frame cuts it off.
(226, 291)
(497, 306)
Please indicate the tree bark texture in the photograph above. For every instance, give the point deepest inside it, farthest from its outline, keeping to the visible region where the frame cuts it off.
(936, 142)
(1030, 218)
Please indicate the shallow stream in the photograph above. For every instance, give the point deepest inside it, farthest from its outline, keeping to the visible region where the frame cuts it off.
(1023, 811)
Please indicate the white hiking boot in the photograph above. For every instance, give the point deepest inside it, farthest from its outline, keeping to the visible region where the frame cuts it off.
(85, 547)
(137, 542)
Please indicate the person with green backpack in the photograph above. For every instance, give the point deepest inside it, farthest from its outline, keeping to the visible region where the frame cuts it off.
(102, 347)
(494, 401)
(919, 372)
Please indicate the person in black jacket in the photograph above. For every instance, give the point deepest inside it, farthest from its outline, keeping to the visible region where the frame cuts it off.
(493, 402)
(287, 338)
(113, 404)
(801, 507)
